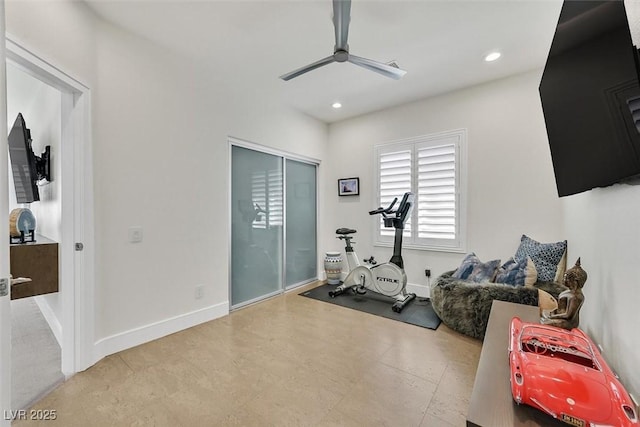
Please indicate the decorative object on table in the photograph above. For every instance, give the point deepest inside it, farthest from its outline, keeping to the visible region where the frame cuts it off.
(563, 374)
(567, 315)
(349, 187)
(22, 226)
(333, 267)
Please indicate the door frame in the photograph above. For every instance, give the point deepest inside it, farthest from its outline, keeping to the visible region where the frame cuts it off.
(5, 301)
(77, 224)
(285, 155)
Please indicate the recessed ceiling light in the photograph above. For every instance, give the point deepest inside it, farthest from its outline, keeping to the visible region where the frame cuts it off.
(492, 56)
(336, 105)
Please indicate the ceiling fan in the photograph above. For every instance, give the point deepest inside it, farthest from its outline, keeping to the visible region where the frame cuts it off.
(341, 19)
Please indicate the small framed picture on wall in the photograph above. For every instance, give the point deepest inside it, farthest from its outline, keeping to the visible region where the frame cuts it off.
(348, 187)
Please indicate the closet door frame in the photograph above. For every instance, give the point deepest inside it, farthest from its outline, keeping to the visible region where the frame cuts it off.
(284, 155)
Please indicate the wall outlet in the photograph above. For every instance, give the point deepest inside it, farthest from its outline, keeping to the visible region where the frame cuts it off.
(135, 234)
(199, 292)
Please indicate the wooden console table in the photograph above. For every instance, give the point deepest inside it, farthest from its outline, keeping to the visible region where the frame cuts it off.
(38, 261)
(491, 402)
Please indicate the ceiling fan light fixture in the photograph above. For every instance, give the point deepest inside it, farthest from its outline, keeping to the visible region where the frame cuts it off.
(493, 56)
(336, 105)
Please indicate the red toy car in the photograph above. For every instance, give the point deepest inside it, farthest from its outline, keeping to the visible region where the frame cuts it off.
(562, 373)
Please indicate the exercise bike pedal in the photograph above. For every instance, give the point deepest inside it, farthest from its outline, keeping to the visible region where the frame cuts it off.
(336, 292)
(399, 305)
(360, 290)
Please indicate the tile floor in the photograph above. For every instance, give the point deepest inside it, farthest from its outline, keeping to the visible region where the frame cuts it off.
(288, 361)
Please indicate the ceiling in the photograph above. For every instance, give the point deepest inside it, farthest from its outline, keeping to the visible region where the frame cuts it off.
(441, 45)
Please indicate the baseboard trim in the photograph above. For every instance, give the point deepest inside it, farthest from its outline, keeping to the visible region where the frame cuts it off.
(419, 290)
(134, 337)
(50, 317)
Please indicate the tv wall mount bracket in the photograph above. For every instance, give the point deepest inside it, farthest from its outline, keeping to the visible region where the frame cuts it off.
(43, 164)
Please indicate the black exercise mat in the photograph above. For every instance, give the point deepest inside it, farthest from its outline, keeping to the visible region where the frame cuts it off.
(418, 312)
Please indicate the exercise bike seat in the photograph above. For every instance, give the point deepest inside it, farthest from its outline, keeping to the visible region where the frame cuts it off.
(345, 231)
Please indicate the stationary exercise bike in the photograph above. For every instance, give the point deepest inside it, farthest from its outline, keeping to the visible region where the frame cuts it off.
(389, 278)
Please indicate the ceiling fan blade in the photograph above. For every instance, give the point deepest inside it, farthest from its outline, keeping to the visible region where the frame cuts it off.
(378, 67)
(307, 68)
(341, 19)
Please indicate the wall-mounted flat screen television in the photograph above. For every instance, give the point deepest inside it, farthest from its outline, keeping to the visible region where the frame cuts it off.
(590, 96)
(27, 168)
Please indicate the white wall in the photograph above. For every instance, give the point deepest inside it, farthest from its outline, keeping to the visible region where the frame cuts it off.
(162, 162)
(603, 227)
(60, 32)
(511, 189)
(160, 128)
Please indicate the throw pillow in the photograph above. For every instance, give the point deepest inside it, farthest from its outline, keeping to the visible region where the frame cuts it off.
(474, 270)
(547, 257)
(546, 301)
(484, 271)
(466, 267)
(562, 267)
(517, 273)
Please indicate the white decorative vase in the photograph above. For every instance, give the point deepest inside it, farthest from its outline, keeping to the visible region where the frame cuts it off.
(333, 267)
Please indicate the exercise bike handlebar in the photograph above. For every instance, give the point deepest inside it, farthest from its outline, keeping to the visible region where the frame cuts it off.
(384, 211)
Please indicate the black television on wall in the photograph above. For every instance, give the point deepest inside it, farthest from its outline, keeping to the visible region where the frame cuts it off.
(27, 168)
(590, 93)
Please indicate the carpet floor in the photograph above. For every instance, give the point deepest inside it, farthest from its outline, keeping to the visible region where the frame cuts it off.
(35, 355)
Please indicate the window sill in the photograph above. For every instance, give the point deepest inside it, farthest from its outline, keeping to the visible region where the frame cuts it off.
(422, 247)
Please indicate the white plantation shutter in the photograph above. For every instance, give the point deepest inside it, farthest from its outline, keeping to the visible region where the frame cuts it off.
(395, 180)
(432, 168)
(436, 189)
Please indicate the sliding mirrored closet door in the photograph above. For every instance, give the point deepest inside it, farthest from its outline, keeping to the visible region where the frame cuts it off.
(273, 224)
(256, 225)
(301, 255)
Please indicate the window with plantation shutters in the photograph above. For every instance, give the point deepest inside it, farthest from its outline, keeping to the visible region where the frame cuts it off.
(432, 167)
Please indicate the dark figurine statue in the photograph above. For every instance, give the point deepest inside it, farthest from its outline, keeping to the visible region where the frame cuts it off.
(570, 301)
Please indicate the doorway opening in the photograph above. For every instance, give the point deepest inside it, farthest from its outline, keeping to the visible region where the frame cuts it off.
(56, 108)
(36, 356)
